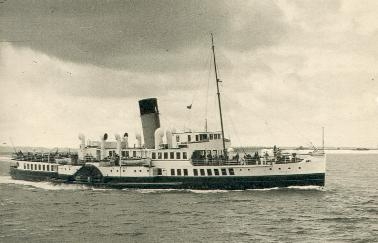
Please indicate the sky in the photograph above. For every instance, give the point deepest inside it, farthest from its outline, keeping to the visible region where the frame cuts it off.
(288, 68)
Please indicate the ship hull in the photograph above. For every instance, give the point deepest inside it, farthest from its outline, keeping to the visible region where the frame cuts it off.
(32, 175)
(187, 182)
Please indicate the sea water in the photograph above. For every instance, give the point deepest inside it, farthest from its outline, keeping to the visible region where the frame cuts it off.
(345, 210)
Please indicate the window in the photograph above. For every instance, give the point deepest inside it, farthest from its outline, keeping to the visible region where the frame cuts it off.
(127, 154)
(211, 136)
(159, 171)
(209, 172)
(39, 167)
(189, 138)
(159, 155)
(184, 155)
(178, 155)
(172, 172)
(216, 172)
(134, 154)
(177, 138)
(202, 172)
(27, 166)
(178, 172)
(35, 166)
(31, 166)
(231, 171)
(224, 172)
(165, 155)
(195, 172)
(172, 155)
(123, 153)
(153, 155)
(44, 168)
(196, 137)
(110, 153)
(24, 166)
(185, 172)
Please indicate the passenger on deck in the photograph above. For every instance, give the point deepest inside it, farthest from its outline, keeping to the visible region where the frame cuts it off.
(236, 157)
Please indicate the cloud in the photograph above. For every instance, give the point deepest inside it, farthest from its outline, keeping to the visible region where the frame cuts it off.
(36, 71)
(139, 35)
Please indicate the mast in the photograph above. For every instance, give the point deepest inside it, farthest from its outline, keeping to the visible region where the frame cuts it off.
(218, 93)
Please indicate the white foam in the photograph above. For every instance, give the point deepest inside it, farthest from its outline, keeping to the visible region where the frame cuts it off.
(265, 189)
(320, 188)
(42, 185)
(209, 191)
(154, 190)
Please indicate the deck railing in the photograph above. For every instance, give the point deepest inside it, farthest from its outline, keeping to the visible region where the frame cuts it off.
(263, 161)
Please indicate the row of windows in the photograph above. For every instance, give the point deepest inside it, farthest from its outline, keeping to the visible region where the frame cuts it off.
(127, 154)
(203, 172)
(38, 167)
(201, 137)
(185, 172)
(169, 155)
(209, 172)
(125, 170)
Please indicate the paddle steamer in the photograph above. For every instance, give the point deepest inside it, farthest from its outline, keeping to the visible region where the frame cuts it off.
(172, 160)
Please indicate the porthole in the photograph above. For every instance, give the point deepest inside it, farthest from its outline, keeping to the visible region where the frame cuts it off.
(117, 170)
(123, 170)
(111, 170)
(270, 168)
(140, 170)
(279, 168)
(249, 169)
(299, 167)
(240, 169)
(289, 168)
(134, 170)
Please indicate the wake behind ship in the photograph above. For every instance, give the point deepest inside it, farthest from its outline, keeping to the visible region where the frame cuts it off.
(172, 160)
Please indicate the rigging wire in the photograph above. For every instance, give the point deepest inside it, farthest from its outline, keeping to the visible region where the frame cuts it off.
(208, 85)
(306, 140)
(195, 99)
(233, 127)
(188, 120)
